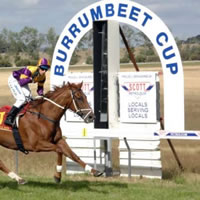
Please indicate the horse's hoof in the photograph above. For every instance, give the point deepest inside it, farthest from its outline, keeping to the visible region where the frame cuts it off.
(56, 179)
(22, 182)
(97, 173)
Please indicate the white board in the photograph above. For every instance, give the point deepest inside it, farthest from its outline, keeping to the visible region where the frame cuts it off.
(138, 97)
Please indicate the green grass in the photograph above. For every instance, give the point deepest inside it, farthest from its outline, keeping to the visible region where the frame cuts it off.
(88, 188)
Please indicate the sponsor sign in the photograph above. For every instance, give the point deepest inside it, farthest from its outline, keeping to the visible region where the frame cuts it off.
(193, 135)
(138, 97)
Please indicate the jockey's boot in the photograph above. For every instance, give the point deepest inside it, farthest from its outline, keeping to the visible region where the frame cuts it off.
(11, 116)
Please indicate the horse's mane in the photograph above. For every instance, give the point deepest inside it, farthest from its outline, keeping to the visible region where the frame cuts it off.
(57, 90)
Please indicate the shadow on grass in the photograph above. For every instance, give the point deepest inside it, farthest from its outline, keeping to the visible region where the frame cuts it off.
(70, 185)
(170, 174)
(9, 184)
(79, 185)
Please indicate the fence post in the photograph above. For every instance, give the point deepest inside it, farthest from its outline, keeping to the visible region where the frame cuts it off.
(16, 161)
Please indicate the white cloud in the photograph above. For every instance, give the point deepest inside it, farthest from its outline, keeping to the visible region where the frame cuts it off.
(30, 2)
(17, 4)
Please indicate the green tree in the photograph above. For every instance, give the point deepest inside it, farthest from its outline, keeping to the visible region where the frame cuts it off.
(185, 52)
(14, 43)
(86, 42)
(144, 40)
(89, 60)
(130, 35)
(31, 41)
(75, 58)
(51, 39)
(195, 52)
(4, 46)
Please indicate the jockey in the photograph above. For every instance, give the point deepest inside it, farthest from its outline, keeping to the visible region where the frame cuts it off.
(18, 83)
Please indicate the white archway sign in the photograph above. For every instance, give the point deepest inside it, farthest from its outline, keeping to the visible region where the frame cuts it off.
(152, 26)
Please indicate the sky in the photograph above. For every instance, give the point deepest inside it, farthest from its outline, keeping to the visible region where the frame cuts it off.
(181, 16)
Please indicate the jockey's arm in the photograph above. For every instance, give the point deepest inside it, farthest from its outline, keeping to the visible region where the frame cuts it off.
(40, 88)
(25, 81)
(25, 78)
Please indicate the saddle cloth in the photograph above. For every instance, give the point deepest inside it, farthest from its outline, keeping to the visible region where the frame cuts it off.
(4, 112)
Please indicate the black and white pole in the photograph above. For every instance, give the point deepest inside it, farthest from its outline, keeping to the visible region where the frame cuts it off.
(106, 67)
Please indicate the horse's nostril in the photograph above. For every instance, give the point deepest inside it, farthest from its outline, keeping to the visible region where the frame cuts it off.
(91, 117)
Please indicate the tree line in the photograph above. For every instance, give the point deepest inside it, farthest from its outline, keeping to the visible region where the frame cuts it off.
(24, 47)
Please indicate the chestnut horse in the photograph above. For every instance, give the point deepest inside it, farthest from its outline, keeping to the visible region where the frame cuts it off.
(40, 130)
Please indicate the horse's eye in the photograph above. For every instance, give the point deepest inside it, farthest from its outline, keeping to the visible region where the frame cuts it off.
(79, 97)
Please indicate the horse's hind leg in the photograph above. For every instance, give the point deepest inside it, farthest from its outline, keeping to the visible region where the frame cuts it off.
(58, 174)
(11, 174)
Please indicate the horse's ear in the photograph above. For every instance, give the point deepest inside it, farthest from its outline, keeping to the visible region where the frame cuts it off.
(80, 85)
(68, 83)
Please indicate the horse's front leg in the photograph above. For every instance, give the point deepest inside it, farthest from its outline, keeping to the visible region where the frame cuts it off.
(67, 151)
(58, 173)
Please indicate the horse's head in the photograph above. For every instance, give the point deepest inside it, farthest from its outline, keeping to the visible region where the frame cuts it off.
(79, 103)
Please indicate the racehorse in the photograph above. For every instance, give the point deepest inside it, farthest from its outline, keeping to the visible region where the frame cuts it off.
(40, 130)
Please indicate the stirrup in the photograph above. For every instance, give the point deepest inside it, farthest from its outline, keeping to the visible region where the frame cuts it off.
(8, 122)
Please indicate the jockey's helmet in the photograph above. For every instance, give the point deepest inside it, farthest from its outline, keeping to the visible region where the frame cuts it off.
(43, 63)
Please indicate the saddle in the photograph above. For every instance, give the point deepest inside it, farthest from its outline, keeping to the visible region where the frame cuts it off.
(3, 114)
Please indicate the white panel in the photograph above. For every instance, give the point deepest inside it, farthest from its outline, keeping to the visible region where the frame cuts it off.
(89, 160)
(147, 172)
(150, 145)
(142, 163)
(113, 69)
(146, 137)
(86, 152)
(81, 142)
(154, 155)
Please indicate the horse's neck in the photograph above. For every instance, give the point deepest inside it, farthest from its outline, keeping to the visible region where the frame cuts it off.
(55, 107)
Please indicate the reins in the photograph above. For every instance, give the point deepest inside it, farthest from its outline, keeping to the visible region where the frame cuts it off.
(53, 102)
(77, 110)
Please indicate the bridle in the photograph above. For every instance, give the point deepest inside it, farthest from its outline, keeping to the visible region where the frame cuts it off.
(78, 111)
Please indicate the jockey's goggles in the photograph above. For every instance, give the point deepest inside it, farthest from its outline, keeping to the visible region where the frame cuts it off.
(44, 67)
